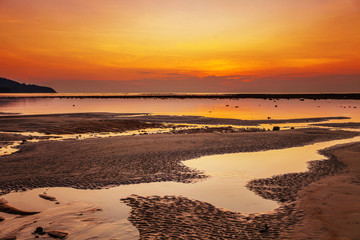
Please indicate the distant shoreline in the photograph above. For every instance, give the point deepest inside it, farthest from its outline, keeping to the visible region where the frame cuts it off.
(269, 96)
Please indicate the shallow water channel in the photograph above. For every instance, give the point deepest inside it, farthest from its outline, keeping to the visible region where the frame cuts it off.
(225, 187)
(245, 109)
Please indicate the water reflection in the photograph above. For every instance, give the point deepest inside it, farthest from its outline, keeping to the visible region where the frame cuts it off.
(229, 173)
(220, 108)
(225, 188)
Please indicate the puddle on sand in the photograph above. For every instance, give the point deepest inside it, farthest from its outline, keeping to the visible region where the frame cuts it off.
(14, 146)
(225, 188)
(10, 149)
(37, 136)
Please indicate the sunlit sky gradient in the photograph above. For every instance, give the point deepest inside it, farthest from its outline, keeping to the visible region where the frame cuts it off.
(182, 45)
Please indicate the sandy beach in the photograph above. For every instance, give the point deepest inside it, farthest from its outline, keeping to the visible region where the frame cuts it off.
(72, 123)
(104, 162)
(114, 122)
(331, 204)
(323, 205)
(94, 163)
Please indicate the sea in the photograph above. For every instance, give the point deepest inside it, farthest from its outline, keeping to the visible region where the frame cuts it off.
(217, 107)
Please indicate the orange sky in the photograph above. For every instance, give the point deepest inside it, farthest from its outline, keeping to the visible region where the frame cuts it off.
(182, 45)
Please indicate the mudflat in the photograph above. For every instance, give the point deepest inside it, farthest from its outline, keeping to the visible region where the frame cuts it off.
(311, 203)
(100, 162)
(323, 204)
(74, 123)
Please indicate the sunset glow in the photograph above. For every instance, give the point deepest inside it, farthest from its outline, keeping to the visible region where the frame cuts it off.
(182, 45)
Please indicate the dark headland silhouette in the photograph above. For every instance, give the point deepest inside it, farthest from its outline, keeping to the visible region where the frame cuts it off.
(10, 86)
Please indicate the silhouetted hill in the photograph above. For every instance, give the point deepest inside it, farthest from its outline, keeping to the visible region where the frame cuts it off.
(9, 86)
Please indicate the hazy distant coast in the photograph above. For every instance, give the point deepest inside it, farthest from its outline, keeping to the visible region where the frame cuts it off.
(270, 96)
(10, 86)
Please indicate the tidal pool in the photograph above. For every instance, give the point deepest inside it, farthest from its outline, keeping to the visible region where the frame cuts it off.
(225, 187)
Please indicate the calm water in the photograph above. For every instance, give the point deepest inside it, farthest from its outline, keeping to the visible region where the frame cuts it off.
(239, 109)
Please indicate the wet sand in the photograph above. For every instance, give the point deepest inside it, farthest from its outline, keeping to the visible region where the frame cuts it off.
(77, 123)
(322, 204)
(301, 96)
(331, 205)
(6, 208)
(9, 138)
(95, 163)
(75, 220)
(354, 125)
(225, 121)
(72, 123)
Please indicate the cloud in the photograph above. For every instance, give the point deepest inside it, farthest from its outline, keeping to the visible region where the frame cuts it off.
(173, 74)
(144, 72)
(236, 77)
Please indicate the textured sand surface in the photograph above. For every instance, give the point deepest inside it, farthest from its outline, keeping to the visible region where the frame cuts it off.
(76, 220)
(93, 163)
(331, 205)
(318, 204)
(321, 203)
(116, 122)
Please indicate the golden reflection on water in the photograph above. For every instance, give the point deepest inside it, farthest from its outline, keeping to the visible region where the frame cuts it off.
(229, 173)
(253, 109)
(218, 108)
